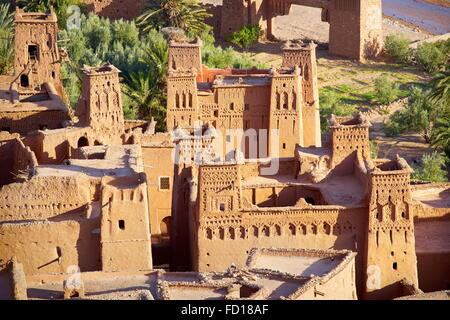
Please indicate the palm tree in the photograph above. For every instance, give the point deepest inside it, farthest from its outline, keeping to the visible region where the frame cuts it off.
(146, 89)
(185, 14)
(142, 89)
(441, 87)
(6, 38)
(440, 137)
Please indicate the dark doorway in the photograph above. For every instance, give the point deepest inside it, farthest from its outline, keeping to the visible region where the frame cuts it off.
(83, 142)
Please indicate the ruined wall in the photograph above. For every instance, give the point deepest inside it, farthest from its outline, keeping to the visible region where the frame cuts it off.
(338, 284)
(24, 121)
(51, 247)
(43, 197)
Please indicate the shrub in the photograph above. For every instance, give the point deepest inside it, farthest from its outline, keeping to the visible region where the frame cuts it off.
(386, 90)
(397, 47)
(420, 115)
(331, 103)
(432, 168)
(246, 36)
(374, 149)
(432, 56)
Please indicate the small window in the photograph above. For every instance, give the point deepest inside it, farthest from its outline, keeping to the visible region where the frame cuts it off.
(232, 106)
(394, 266)
(24, 81)
(246, 107)
(216, 113)
(33, 52)
(222, 207)
(164, 183)
(122, 224)
(53, 74)
(284, 145)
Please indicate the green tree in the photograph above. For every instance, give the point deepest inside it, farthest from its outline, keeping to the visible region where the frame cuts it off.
(432, 168)
(440, 136)
(330, 103)
(440, 87)
(147, 90)
(6, 39)
(246, 36)
(420, 115)
(432, 57)
(185, 14)
(397, 47)
(385, 89)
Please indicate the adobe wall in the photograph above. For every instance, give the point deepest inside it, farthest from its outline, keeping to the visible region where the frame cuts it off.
(338, 284)
(125, 239)
(116, 9)
(24, 121)
(160, 200)
(223, 240)
(39, 243)
(54, 146)
(43, 198)
(8, 162)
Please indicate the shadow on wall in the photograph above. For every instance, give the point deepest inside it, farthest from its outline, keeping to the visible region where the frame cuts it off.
(51, 119)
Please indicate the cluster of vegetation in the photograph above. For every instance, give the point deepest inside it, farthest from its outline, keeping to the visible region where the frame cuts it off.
(6, 38)
(427, 113)
(386, 90)
(432, 57)
(246, 36)
(184, 14)
(432, 168)
(331, 103)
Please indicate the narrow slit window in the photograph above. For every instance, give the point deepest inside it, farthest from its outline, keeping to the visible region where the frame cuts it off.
(122, 224)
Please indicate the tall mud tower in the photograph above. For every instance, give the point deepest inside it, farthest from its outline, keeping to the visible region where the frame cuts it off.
(303, 55)
(390, 238)
(100, 106)
(36, 53)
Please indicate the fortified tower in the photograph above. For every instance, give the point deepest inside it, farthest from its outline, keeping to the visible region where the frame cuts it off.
(36, 54)
(100, 105)
(186, 55)
(390, 238)
(285, 110)
(297, 53)
(349, 135)
(355, 28)
(182, 99)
